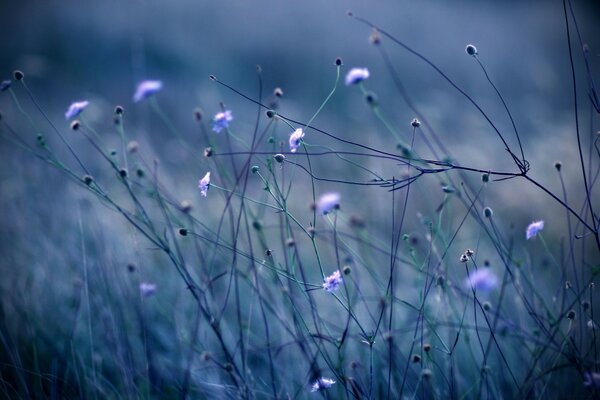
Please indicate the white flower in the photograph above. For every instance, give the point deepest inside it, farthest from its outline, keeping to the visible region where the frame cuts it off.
(146, 89)
(322, 383)
(328, 202)
(356, 75)
(332, 282)
(295, 138)
(533, 229)
(204, 184)
(76, 108)
(147, 289)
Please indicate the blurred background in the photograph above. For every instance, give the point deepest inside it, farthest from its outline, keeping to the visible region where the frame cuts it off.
(99, 51)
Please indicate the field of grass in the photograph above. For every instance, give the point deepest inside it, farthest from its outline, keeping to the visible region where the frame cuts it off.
(399, 217)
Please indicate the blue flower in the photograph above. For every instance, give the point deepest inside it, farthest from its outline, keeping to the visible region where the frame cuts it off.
(222, 120)
(145, 89)
(295, 139)
(533, 229)
(76, 108)
(5, 85)
(322, 383)
(328, 202)
(204, 184)
(332, 282)
(482, 279)
(356, 75)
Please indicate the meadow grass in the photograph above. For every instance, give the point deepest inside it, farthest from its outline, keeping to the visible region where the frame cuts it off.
(300, 261)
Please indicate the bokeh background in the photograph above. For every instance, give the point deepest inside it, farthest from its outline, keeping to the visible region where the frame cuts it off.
(99, 51)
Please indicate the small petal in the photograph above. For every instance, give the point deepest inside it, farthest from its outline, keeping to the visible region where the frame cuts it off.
(76, 108)
(295, 139)
(204, 184)
(482, 279)
(356, 75)
(332, 282)
(533, 229)
(328, 202)
(221, 120)
(145, 89)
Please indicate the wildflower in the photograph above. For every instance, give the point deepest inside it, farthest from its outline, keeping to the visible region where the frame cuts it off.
(415, 123)
(5, 85)
(482, 279)
(533, 229)
(332, 282)
(328, 202)
(146, 89)
(592, 379)
(147, 289)
(76, 108)
(295, 139)
(204, 184)
(464, 258)
(356, 75)
(221, 120)
(471, 50)
(322, 383)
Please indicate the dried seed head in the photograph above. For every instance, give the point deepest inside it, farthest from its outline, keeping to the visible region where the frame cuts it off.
(585, 305)
(132, 146)
(464, 258)
(208, 152)
(347, 270)
(487, 306)
(469, 253)
(375, 37)
(123, 172)
(119, 110)
(488, 212)
(371, 98)
(279, 157)
(338, 61)
(183, 231)
(268, 252)
(18, 75)
(557, 165)
(257, 225)
(131, 267)
(254, 169)
(471, 50)
(416, 358)
(388, 336)
(185, 206)
(571, 315)
(271, 113)
(426, 347)
(568, 285)
(75, 125)
(415, 123)
(205, 356)
(485, 178)
(426, 374)
(198, 114)
(87, 179)
(278, 92)
(290, 242)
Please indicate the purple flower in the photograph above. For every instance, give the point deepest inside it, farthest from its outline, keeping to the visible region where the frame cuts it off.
(332, 282)
(533, 229)
(147, 289)
(145, 89)
(356, 75)
(295, 139)
(76, 108)
(328, 202)
(482, 279)
(5, 85)
(322, 383)
(204, 184)
(221, 120)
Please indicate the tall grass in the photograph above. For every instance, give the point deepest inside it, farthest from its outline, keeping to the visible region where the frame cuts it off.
(313, 263)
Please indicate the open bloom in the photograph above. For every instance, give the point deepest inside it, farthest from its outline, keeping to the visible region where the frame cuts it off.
(146, 89)
(295, 139)
(76, 108)
(482, 279)
(147, 289)
(322, 383)
(221, 120)
(332, 282)
(328, 202)
(533, 229)
(356, 75)
(204, 184)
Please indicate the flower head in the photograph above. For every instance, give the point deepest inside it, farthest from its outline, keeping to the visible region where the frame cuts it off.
(328, 202)
(221, 120)
(204, 184)
(145, 89)
(322, 383)
(356, 75)
(76, 108)
(295, 139)
(482, 279)
(533, 229)
(591, 379)
(332, 282)
(147, 289)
